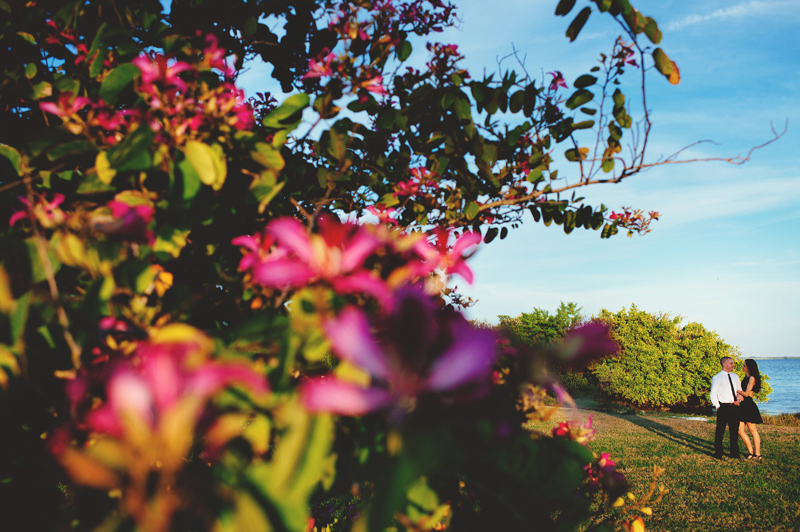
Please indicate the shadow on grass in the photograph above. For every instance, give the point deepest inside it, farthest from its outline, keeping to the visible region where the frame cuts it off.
(690, 441)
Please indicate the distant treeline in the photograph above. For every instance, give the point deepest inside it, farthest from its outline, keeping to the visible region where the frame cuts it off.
(660, 364)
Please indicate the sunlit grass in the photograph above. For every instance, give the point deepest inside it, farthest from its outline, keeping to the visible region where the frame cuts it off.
(705, 494)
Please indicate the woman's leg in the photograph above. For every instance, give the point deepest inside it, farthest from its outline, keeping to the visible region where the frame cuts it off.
(745, 439)
(753, 428)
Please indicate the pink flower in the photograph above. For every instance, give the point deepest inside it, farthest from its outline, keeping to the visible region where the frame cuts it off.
(383, 213)
(321, 68)
(575, 432)
(419, 349)
(374, 85)
(215, 56)
(68, 104)
(439, 256)
(127, 222)
(557, 81)
(420, 177)
(46, 212)
(168, 374)
(336, 256)
(160, 70)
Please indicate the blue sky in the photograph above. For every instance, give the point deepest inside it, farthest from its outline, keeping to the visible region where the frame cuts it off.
(726, 252)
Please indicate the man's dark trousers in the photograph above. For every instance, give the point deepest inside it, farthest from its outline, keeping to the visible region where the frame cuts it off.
(727, 415)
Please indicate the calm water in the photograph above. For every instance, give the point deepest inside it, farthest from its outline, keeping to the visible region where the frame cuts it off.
(784, 377)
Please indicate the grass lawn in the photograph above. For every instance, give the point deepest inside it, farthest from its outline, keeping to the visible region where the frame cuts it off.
(705, 494)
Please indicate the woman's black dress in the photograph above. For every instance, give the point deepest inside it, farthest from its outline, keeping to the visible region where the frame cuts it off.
(748, 411)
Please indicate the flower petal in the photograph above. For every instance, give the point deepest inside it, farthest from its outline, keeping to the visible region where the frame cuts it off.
(292, 235)
(351, 340)
(282, 273)
(469, 359)
(330, 395)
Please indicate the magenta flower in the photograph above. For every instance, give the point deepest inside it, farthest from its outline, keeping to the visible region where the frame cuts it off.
(46, 212)
(321, 68)
(420, 177)
(374, 85)
(216, 56)
(557, 81)
(160, 70)
(587, 342)
(335, 256)
(127, 222)
(383, 213)
(576, 432)
(417, 350)
(68, 104)
(440, 257)
(168, 376)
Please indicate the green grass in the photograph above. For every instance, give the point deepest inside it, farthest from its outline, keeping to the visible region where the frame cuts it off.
(705, 494)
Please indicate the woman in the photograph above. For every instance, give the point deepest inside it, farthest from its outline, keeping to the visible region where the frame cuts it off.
(748, 411)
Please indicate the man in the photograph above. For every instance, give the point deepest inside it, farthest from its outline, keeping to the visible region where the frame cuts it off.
(726, 401)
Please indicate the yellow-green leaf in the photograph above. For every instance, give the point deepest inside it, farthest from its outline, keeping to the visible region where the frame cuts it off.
(104, 171)
(666, 66)
(7, 302)
(208, 162)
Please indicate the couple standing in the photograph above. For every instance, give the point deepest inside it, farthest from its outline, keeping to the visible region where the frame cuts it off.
(736, 408)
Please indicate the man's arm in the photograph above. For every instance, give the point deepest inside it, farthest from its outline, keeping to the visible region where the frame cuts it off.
(714, 396)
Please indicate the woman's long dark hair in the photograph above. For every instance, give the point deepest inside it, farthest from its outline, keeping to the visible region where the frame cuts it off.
(752, 367)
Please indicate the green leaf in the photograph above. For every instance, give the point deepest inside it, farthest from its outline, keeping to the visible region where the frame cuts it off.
(472, 210)
(30, 70)
(41, 90)
(564, 7)
(619, 98)
(666, 66)
(116, 81)
(462, 108)
(404, 51)
(491, 234)
(187, 181)
(589, 111)
(289, 114)
(69, 148)
(608, 165)
(516, 101)
(585, 124)
(38, 273)
(578, 98)
(133, 153)
(268, 157)
(12, 155)
(19, 317)
(27, 36)
(171, 240)
(577, 24)
(569, 221)
(208, 162)
(535, 213)
(584, 81)
(652, 31)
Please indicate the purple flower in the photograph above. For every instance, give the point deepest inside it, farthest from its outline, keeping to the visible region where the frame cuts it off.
(418, 349)
(557, 81)
(588, 342)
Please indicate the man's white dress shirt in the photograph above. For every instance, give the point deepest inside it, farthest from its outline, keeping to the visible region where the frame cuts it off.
(721, 388)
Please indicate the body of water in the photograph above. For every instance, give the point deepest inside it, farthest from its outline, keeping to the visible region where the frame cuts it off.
(784, 377)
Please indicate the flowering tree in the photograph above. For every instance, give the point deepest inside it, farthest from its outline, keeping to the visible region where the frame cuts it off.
(220, 313)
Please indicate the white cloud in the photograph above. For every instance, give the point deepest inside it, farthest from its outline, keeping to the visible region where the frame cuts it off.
(744, 9)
